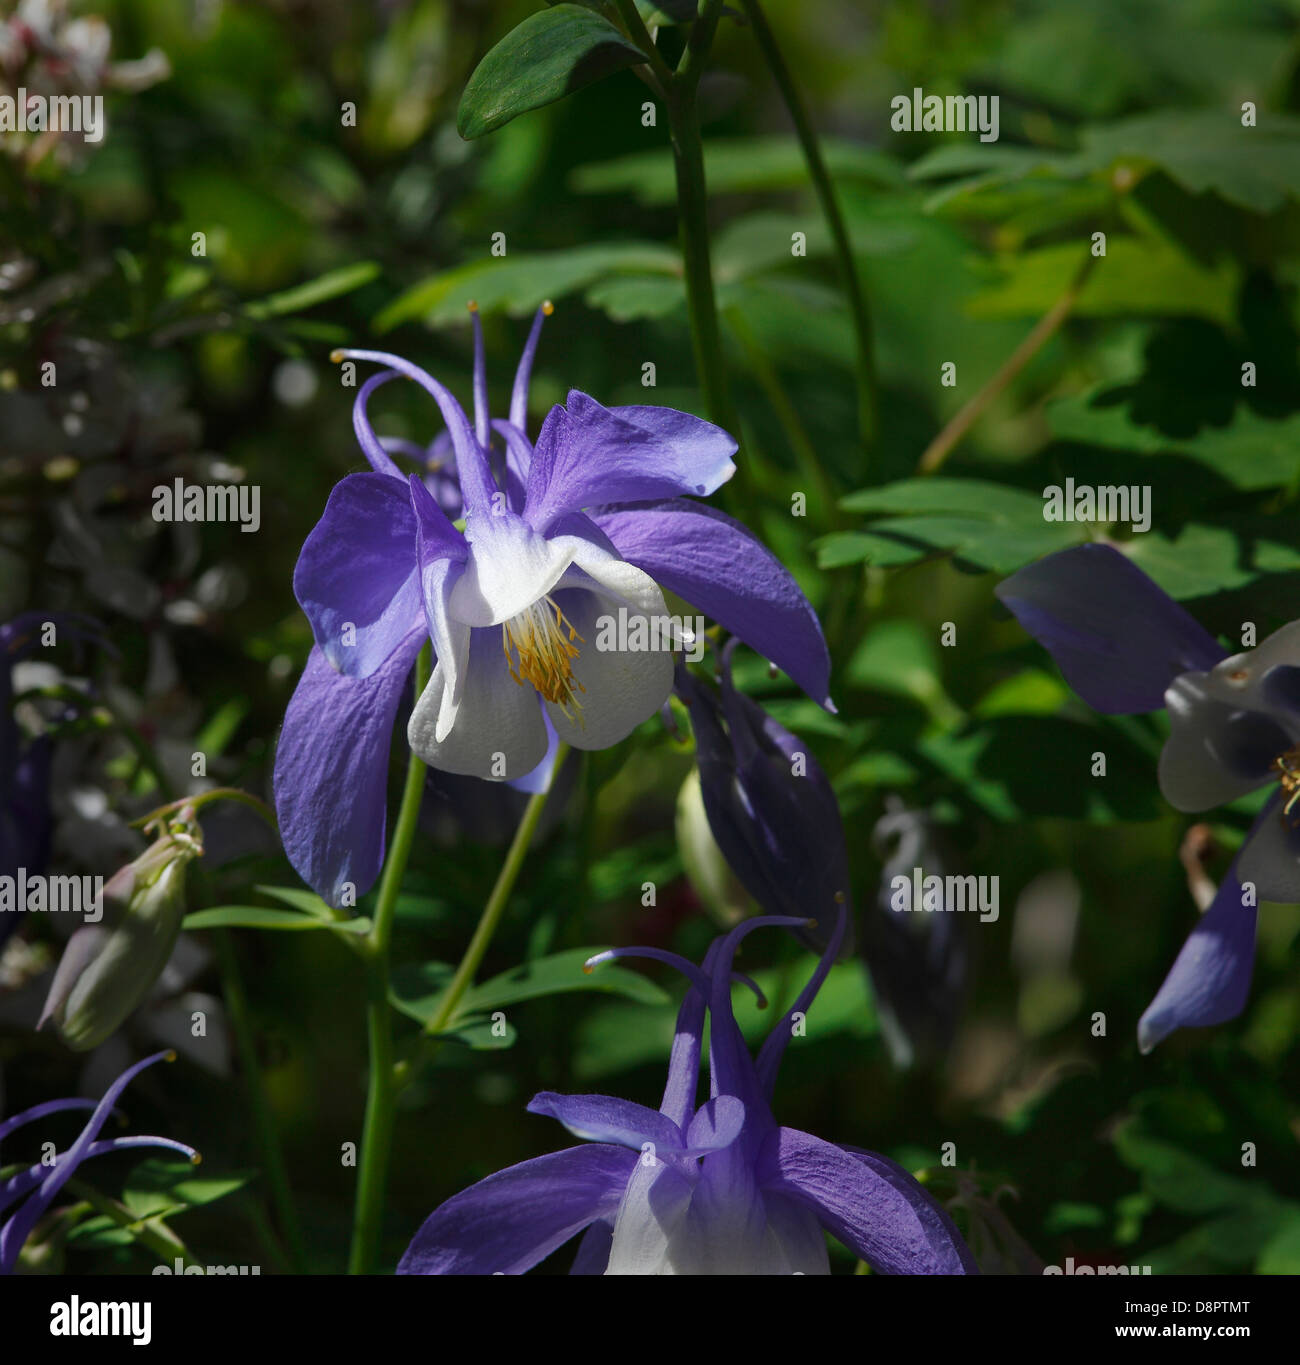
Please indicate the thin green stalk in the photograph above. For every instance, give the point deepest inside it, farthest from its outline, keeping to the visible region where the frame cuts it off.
(381, 1096)
(640, 35)
(941, 447)
(495, 907)
(692, 209)
(825, 189)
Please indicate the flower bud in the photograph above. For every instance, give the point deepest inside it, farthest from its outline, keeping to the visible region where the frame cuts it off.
(109, 968)
(706, 868)
(769, 805)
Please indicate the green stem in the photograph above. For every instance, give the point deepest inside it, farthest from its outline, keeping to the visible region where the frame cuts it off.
(495, 907)
(381, 1096)
(1047, 326)
(825, 189)
(692, 209)
(277, 1175)
(201, 799)
(640, 35)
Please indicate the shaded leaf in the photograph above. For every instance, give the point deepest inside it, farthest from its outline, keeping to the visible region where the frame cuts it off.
(549, 55)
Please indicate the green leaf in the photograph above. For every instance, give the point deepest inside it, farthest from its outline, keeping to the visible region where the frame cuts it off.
(1251, 453)
(634, 298)
(1203, 560)
(161, 1185)
(1204, 150)
(480, 1033)
(307, 901)
(898, 657)
(1281, 1256)
(328, 286)
(753, 165)
(99, 1233)
(759, 241)
(1257, 169)
(257, 917)
(519, 284)
(1176, 1178)
(1137, 276)
(415, 988)
(549, 55)
(561, 972)
(986, 524)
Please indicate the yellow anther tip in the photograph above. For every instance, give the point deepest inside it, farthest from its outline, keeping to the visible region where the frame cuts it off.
(547, 308)
(169, 1055)
(587, 969)
(336, 357)
(812, 924)
(196, 1159)
(472, 305)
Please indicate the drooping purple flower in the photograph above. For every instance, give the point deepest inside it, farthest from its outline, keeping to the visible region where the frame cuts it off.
(34, 1189)
(720, 1188)
(1125, 646)
(917, 963)
(771, 808)
(585, 527)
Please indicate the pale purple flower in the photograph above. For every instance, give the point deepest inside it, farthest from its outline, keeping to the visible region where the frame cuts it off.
(583, 528)
(1125, 646)
(720, 1188)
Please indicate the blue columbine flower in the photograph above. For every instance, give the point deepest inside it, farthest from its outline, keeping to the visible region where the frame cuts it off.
(718, 1189)
(770, 807)
(34, 1189)
(585, 525)
(1125, 646)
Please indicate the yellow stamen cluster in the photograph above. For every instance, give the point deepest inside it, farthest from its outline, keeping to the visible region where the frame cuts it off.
(541, 638)
(1288, 769)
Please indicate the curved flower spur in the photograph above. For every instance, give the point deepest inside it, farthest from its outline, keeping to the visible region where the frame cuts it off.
(558, 538)
(718, 1189)
(1125, 646)
(35, 1188)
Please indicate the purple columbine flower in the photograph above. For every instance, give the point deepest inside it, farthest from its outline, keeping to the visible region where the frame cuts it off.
(33, 1190)
(718, 1189)
(1125, 646)
(770, 807)
(583, 528)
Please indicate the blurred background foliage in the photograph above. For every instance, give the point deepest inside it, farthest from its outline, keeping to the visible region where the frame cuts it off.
(322, 230)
